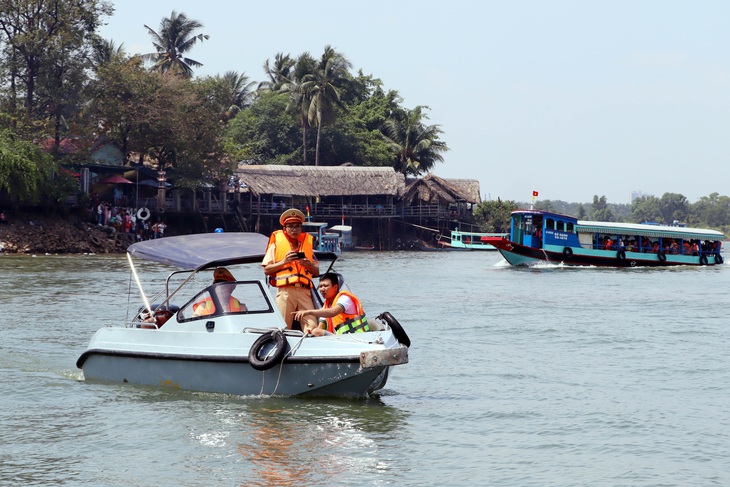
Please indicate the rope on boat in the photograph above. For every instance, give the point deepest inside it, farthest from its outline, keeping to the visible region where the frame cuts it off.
(281, 364)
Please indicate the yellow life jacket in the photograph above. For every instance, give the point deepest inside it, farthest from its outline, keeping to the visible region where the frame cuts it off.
(344, 322)
(294, 272)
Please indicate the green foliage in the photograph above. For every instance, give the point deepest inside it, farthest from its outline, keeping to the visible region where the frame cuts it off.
(494, 216)
(174, 39)
(264, 133)
(646, 209)
(25, 170)
(46, 51)
(322, 87)
(228, 94)
(600, 210)
(416, 145)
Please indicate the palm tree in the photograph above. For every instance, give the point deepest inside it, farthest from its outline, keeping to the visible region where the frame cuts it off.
(105, 51)
(239, 92)
(174, 39)
(322, 88)
(278, 74)
(299, 100)
(416, 145)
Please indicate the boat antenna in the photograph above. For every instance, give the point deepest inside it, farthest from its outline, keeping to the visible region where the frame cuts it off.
(139, 284)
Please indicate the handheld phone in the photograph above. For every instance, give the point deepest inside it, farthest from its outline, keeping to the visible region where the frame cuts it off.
(300, 255)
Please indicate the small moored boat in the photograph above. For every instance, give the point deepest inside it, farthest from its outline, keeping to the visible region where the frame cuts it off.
(243, 349)
(540, 236)
(324, 241)
(467, 240)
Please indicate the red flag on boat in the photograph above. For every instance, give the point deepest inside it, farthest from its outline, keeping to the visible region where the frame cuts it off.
(534, 194)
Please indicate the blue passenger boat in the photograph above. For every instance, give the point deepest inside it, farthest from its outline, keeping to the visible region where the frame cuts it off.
(540, 236)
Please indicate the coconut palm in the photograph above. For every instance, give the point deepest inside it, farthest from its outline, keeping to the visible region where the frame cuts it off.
(323, 88)
(175, 38)
(279, 73)
(416, 145)
(239, 92)
(106, 51)
(299, 100)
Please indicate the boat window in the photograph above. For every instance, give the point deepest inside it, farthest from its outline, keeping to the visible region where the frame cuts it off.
(569, 227)
(549, 224)
(227, 298)
(561, 226)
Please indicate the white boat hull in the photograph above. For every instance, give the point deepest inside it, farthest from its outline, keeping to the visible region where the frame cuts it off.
(343, 365)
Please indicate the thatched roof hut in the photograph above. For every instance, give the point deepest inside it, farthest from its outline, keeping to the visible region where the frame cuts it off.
(321, 180)
(433, 189)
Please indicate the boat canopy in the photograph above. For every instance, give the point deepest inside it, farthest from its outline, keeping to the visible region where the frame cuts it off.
(207, 250)
(644, 230)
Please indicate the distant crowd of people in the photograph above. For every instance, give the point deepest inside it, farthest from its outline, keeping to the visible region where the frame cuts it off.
(134, 221)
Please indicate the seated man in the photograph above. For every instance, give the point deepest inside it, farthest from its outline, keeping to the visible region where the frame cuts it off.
(342, 312)
(206, 306)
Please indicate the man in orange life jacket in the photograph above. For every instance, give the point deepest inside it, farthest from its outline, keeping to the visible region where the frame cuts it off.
(206, 307)
(290, 264)
(342, 311)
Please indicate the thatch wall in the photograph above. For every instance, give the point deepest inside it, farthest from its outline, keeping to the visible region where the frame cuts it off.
(321, 180)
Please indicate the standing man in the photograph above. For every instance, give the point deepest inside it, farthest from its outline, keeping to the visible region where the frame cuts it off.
(290, 264)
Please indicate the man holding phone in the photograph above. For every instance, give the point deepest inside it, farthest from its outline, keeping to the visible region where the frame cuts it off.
(290, 264)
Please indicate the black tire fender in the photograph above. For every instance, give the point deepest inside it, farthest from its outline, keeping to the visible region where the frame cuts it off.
(276, 336)
(621, 255)
(95, 240)
(661, 256)
(718, 259)
(567, 252)
(703, 260)
(398, 332)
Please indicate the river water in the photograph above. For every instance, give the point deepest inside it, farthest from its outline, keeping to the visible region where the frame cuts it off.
(517, 377)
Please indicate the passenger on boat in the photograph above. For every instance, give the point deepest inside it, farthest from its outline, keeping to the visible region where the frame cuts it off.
(342, 311)
(608, 243)
(686, 248)
(645, 244)
(290, 264)
(206, 307)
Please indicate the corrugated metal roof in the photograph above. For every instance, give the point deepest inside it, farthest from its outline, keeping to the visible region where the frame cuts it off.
(643, 230)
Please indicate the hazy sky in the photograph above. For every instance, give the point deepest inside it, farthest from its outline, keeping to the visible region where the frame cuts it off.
(568, 98)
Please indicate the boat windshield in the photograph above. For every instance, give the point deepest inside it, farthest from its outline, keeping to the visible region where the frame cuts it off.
(227, 298)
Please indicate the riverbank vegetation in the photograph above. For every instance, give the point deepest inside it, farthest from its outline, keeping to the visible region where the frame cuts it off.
(61, 81)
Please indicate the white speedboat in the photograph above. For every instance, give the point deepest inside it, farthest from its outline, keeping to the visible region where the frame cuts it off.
(247, 351)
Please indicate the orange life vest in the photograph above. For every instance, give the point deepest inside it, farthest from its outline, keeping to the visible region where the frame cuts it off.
(208, 308)
(344, 322)
(294, 272)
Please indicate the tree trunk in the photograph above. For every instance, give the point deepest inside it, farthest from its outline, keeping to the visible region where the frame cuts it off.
(304, 138)
(319, 133)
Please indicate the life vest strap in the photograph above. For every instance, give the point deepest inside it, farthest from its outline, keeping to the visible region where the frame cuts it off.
(353, 326)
